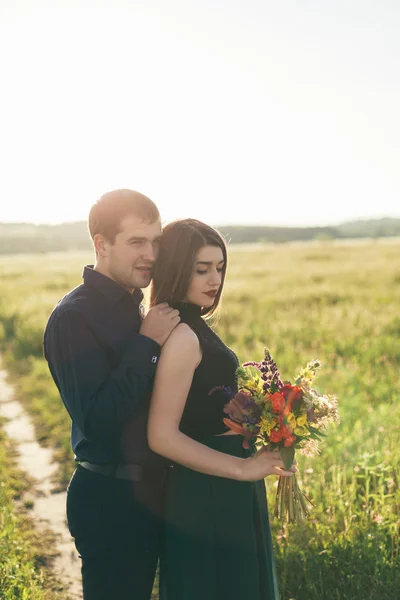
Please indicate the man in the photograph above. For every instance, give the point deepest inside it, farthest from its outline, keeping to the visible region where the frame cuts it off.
(102, 355)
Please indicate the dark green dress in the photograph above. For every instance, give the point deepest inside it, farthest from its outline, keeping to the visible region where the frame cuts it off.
(217, 539)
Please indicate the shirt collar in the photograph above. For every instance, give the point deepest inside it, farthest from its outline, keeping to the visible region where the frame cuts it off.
(110, 288)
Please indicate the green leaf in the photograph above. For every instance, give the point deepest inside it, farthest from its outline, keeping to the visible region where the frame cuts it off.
(316, 432)
(287, 455)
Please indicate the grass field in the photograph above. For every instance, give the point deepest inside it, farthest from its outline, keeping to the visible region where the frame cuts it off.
(24, 553)
(337, 302)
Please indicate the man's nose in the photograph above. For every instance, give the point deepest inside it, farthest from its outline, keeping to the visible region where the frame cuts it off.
(149, 253)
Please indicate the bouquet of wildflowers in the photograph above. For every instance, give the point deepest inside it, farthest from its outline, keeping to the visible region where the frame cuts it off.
(286, 416)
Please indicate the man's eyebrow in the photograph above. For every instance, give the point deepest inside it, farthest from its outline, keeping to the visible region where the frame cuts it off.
(205, 262)
(138, 238)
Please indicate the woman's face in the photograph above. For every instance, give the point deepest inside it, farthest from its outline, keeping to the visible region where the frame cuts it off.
(207, 276)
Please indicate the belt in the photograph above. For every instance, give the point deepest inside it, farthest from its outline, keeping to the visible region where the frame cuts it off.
(129, 471)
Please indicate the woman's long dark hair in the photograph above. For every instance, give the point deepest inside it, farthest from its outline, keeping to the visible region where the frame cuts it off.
(174, 267)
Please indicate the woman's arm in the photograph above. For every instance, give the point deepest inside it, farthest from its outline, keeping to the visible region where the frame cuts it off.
(179, 358)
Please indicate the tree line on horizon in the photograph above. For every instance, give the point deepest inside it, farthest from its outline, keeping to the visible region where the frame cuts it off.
(17, 238)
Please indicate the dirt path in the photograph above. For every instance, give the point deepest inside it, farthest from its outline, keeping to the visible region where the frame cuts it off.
(48, 509)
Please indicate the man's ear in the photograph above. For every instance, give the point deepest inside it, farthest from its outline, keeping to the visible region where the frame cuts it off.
(100, 245)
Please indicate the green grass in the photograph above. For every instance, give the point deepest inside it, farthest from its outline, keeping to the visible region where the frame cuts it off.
(337, 302)
(24, 554)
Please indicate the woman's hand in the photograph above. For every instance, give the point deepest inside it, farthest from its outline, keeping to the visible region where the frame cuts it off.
(265, 462)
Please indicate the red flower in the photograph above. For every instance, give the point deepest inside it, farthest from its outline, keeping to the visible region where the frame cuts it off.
(233, 426)
(292, 394)
(286, 431)
(277, 402)
(289, 440)
(237, 428)
(275, 436)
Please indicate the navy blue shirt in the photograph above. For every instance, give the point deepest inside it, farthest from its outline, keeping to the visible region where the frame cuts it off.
(104, 370)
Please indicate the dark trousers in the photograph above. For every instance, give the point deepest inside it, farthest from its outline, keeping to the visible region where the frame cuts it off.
(117, 526)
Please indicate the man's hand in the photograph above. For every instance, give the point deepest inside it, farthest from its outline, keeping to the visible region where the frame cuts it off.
(159, 322)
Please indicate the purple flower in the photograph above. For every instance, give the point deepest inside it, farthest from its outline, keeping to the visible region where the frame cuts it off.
(226, 391)
(270, 374)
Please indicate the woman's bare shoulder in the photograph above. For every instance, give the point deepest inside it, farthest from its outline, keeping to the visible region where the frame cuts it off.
(182, 342)
(183, 334)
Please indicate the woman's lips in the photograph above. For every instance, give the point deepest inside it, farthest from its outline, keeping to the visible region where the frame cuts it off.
(211, 293)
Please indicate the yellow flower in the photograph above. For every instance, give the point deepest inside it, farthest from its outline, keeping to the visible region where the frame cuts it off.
(252, 386)
(302, 420)
(266, 424)
(301, 430)
(300, 427)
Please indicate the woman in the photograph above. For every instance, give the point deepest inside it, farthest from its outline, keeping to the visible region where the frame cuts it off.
(217, 540)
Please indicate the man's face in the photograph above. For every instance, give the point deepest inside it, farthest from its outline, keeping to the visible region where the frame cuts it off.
(129, 261)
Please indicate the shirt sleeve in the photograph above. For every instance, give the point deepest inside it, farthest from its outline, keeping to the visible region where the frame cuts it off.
(98, 398)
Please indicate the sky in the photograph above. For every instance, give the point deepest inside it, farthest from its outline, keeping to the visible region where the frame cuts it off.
(230, 111)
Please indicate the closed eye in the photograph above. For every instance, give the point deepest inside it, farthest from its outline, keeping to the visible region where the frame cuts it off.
(199, 272)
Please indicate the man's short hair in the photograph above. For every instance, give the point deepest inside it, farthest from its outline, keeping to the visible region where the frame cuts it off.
(106, 214)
